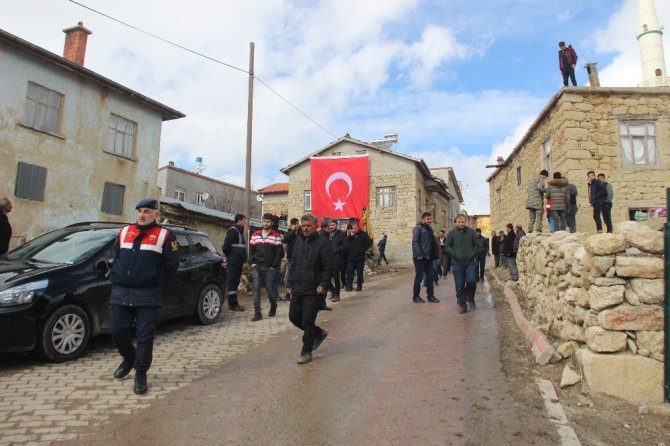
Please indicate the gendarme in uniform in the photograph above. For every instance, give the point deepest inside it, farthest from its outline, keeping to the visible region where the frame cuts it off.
(145, 256)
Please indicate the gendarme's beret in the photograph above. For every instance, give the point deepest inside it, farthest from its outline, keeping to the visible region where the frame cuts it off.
(147, 203)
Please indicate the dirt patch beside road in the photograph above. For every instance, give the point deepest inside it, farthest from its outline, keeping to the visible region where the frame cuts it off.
(597, 419)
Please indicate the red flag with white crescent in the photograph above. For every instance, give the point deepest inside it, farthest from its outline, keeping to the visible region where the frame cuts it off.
(340, 186)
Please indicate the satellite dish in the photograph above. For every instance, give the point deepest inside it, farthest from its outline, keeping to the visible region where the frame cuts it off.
(205, 196)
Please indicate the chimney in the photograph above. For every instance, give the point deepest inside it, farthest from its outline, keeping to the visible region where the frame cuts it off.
(500, 160)
(75, 43)
(591, 68)
(171, 163)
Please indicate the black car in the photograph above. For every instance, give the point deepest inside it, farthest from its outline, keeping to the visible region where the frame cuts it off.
(54, 290)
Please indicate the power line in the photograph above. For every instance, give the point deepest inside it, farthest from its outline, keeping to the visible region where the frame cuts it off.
(212, 59)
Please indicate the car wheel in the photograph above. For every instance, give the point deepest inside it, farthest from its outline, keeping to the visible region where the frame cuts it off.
(208, 309)
(65, 334)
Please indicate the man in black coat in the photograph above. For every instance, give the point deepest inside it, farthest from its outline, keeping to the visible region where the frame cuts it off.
(337, 240)
(359, 243)
(5, 227)
(312, 271)
(495, 247)
(510, 255)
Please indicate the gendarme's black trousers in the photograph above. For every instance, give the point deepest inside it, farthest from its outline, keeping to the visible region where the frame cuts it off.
(121, 318)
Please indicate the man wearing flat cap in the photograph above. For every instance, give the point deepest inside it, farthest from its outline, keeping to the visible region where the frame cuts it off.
(145, 256)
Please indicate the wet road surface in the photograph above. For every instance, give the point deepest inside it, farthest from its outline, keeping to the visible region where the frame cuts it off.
(391, 372)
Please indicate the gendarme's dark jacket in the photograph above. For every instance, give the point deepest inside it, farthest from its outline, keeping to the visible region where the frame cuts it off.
(462, 245)
(144, 258)
(313, 264)
(234, 246)
(358, 244)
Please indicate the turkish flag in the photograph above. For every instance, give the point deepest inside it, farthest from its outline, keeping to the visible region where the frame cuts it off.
(340, 186)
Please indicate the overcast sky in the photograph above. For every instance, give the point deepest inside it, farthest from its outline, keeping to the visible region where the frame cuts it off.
(460, 81)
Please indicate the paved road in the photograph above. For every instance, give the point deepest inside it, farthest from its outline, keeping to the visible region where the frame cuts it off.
(391, 372)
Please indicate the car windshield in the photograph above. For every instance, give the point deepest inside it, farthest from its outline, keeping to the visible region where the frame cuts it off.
(67, 245)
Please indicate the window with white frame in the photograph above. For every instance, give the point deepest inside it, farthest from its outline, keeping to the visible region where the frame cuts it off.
(308, 200)
(180, 193)
(638, 143)
(547, 156)
(199, 199)
(121, 136)
(386, 196)
(43, 108)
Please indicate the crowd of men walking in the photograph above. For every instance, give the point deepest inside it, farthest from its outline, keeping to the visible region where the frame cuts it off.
(320, 260)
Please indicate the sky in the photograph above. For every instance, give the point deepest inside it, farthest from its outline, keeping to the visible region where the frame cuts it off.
(459, 81)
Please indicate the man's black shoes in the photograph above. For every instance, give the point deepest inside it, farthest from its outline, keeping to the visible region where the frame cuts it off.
(273, 309)
(359, 289)
(472, 305)
(257, 317)
(237, 307)
(418, 300)
(348, 289)
(319, 339)
(433, 299)
(335, 299)
(462, 310)
(123, 369)
(140, 387)
(304, 358)
(326, 308)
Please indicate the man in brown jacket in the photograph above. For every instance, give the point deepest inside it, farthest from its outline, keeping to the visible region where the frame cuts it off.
(559, 193)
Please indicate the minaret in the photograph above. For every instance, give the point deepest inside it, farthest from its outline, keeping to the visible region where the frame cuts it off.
(650, 37)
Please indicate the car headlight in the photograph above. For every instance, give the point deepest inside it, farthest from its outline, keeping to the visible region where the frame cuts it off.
(22, 294)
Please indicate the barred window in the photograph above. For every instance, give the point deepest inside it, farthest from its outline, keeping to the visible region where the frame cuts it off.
(112, 198)
(638, 143)
(31, 181)
(386, 196)
(518, 176)
(121, 136)
(180, 193)
(43, 108)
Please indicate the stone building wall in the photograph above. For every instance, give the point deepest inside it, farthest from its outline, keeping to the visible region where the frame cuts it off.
(602, 296)
(582, 126)
(276, 204)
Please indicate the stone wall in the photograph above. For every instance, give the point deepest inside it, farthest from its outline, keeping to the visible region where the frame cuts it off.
(601, 294)
(581, 125)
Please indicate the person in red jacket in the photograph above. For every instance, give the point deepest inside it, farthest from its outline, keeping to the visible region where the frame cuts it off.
(567, 61)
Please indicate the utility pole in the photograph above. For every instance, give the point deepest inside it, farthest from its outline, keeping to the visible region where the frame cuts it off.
(250, 117)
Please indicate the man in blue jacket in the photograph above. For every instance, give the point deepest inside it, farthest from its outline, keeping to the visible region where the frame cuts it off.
(145, 256)
(424, 252)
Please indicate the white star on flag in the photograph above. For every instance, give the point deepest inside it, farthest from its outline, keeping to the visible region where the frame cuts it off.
(339, 205)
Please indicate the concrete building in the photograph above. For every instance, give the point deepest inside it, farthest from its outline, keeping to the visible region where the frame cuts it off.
(401, 187)
(75, 146)
(621, 132)
(275, 200)
(195, 188)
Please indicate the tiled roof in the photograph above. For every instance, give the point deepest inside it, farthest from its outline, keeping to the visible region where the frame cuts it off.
(276, 188)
